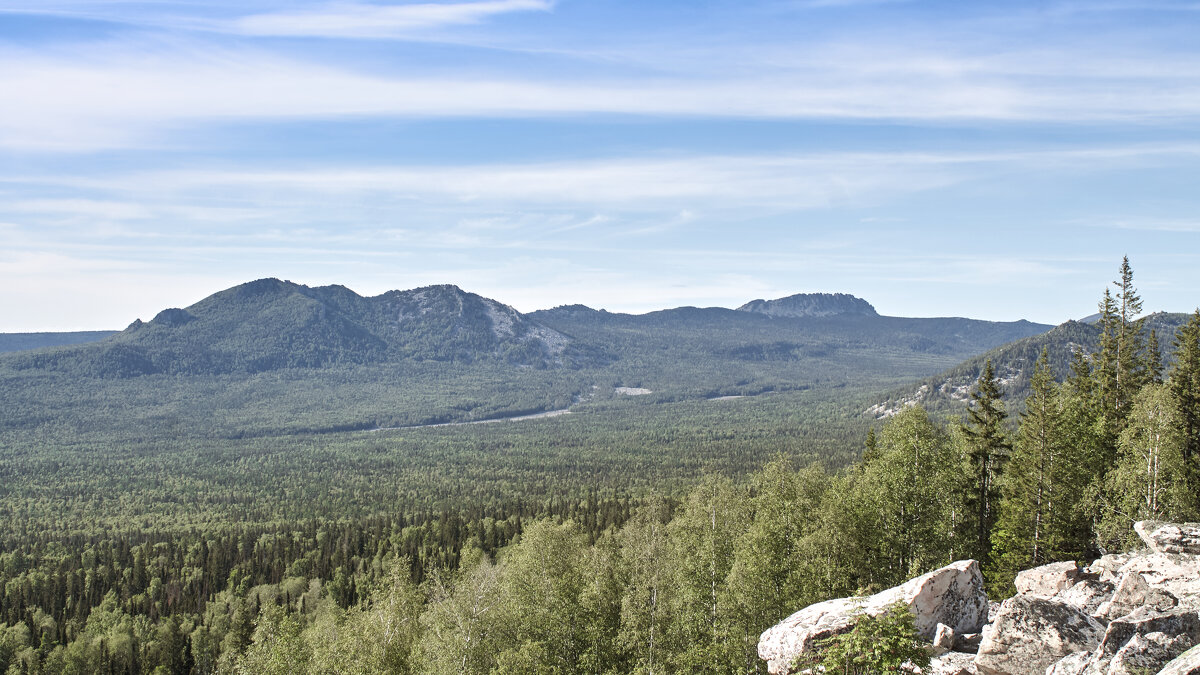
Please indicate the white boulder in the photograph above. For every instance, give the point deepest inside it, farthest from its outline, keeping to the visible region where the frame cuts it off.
(952, 595)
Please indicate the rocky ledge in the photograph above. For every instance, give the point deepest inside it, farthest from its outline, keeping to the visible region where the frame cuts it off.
(1125, 614)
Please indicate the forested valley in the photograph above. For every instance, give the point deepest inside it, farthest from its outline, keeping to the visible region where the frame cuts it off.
(655, 533)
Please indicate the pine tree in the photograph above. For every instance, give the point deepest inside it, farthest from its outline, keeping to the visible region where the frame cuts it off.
(987, 448)
(1184, 385)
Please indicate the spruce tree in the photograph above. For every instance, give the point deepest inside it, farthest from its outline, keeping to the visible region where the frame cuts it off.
(1038, 521)
(1184, 385)
(987, 448)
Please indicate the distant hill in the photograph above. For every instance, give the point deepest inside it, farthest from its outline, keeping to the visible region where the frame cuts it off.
(1013, 363)
(804, 305)
(16, 342)
(270, 324)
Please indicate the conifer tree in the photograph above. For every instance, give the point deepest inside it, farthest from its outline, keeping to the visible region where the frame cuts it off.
(1122, 362)
(1154, 365)
(1038, 520)
(987, 449)
(1185, 392)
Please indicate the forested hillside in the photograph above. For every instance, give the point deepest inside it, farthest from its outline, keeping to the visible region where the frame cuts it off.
(1014, 363)
(268, 518)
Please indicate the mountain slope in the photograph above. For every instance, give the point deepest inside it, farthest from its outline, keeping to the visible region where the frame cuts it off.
(1013, 363)
(270, 324)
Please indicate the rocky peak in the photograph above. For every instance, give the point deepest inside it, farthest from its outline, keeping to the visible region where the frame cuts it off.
(804, 305)
(1125, 614)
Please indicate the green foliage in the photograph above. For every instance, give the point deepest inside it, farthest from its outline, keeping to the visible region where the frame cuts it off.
(913, 484)
(887, 643)
(986, 451)
(1040, 513)
(1148, 481)
(1185, 392)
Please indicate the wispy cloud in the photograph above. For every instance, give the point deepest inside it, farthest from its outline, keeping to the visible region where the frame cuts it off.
(359, 20)
(130, 95)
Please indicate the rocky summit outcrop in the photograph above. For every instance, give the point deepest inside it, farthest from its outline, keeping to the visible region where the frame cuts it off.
(952, 595)
(1135, 613)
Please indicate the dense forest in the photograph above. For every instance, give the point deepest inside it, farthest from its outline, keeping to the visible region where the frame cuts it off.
(502, 548)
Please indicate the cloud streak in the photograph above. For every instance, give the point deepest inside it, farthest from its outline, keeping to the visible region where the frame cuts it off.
(359, 20)
(122, 96)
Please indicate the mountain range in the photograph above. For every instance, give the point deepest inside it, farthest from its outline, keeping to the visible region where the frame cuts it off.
(270, 324)
(318, 359)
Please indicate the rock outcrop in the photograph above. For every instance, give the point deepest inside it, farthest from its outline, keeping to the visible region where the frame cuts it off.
(952, 595)
(1169, 537)
(1031, 633)
(1132, 613)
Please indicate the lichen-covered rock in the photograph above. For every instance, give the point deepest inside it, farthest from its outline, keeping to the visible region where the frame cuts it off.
(1030, 634)
(1187, 663)
(952, 595)
(1046, 581)
(1132, 592)
(1071, 664)
(1087, 595)
(1178, 574)
(1107, 568)
(1147, 653)
(1182, 621)
(1169, 537)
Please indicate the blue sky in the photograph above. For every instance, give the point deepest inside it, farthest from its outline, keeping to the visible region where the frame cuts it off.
(992, 160)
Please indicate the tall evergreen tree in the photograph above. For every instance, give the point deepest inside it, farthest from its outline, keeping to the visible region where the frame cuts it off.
(987, 449)
(1185, 392)
(1123, 363)
(1042, 484)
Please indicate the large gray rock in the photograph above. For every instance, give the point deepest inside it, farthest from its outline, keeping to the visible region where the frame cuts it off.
(1177, 574)
(1107, 568)
(1132, 593)
(1030, 634)
(1087, 595)
(952, 595)
(1187, 663)
(1147, 653)
(1046, 581)
(1182, 621)
(1169, 537)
